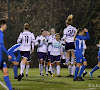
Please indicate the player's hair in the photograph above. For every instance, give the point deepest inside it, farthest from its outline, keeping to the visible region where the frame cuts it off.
(57, 34)
(69, 20)
(2, 22)
(52, 29)
(26, 26)
(78, 30)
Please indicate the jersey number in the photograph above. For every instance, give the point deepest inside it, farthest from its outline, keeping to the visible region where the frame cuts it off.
(26, 39)
(71, 33)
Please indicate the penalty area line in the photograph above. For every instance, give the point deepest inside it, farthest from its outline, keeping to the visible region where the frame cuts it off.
(3, 85)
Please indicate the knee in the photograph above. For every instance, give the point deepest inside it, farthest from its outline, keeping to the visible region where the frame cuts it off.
(85, 63)
(6, 73)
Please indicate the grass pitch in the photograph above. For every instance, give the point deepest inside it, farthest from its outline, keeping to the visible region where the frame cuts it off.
(36, 82)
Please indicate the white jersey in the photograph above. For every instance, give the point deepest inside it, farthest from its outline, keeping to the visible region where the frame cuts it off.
(56, 47)
(27, 38)
(51, 37)
(84, 47)
(69, 33)
(42, 46)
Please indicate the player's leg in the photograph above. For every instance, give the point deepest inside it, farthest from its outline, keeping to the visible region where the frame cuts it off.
(40, 56)
(94, 69)
(72, 63)
(24, 60)
(15, 69)
(67, 61)
(58, 65)
(46, 63)
(78, 63)
(6, 76)
(52, 65)
(25, 57)
(27, 68)
(41, 67)
(83, 67)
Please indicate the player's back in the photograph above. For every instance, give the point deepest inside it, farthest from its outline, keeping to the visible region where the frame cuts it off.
(27, 38)
(69, 33)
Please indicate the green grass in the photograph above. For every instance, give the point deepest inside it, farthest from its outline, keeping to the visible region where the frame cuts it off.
(35, 82)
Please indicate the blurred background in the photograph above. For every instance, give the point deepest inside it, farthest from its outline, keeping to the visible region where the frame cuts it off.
(51, 14)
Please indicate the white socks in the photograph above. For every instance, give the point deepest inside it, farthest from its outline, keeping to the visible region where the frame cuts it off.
(73, 70)
(58, 69)
(27, 68)
(41, 68)
(52, 70)
(67, 60)
(46, 69)
(22, 66)
(69, 68)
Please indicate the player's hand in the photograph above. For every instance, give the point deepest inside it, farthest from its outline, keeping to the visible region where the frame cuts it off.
(39, 41)
(43, 40)
(32, 50)
(98, 57)
(9, 57)
(85, 30)
(61, 53)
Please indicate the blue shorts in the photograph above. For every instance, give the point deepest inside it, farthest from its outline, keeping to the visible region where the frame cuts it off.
(2, 62)
(69, 46)
(25, 54)
(42, 55)
(79, 57)
(13, 57)
(55, 58)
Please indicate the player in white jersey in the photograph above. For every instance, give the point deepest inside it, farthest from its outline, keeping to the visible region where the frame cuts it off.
(26, 38)
(56, 54)
(63, 54)
(51, 37)
(41, 41)
(28, 62)
(69, 33)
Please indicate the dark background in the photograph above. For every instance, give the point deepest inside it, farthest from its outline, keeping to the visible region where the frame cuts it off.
(51, 14)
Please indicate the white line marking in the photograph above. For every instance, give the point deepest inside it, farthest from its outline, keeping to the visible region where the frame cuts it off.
(4, 85)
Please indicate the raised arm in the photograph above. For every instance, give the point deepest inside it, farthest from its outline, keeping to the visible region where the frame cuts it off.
(19, 38)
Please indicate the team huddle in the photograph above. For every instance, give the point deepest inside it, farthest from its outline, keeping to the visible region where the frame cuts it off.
(50, 49)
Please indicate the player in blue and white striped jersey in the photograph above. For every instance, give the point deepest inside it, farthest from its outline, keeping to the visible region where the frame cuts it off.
(98, 65)
(15, 60)
(78, 53)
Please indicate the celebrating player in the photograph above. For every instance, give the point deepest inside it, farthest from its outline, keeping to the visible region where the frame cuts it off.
(27, 38)
(51, 37)
(56, 54)
(69, 33)
(41, 42)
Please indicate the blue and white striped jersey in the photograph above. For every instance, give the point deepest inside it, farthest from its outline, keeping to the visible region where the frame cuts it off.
(14, 49)
(79, 41)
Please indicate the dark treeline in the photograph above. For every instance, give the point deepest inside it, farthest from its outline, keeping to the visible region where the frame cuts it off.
(52, 13)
